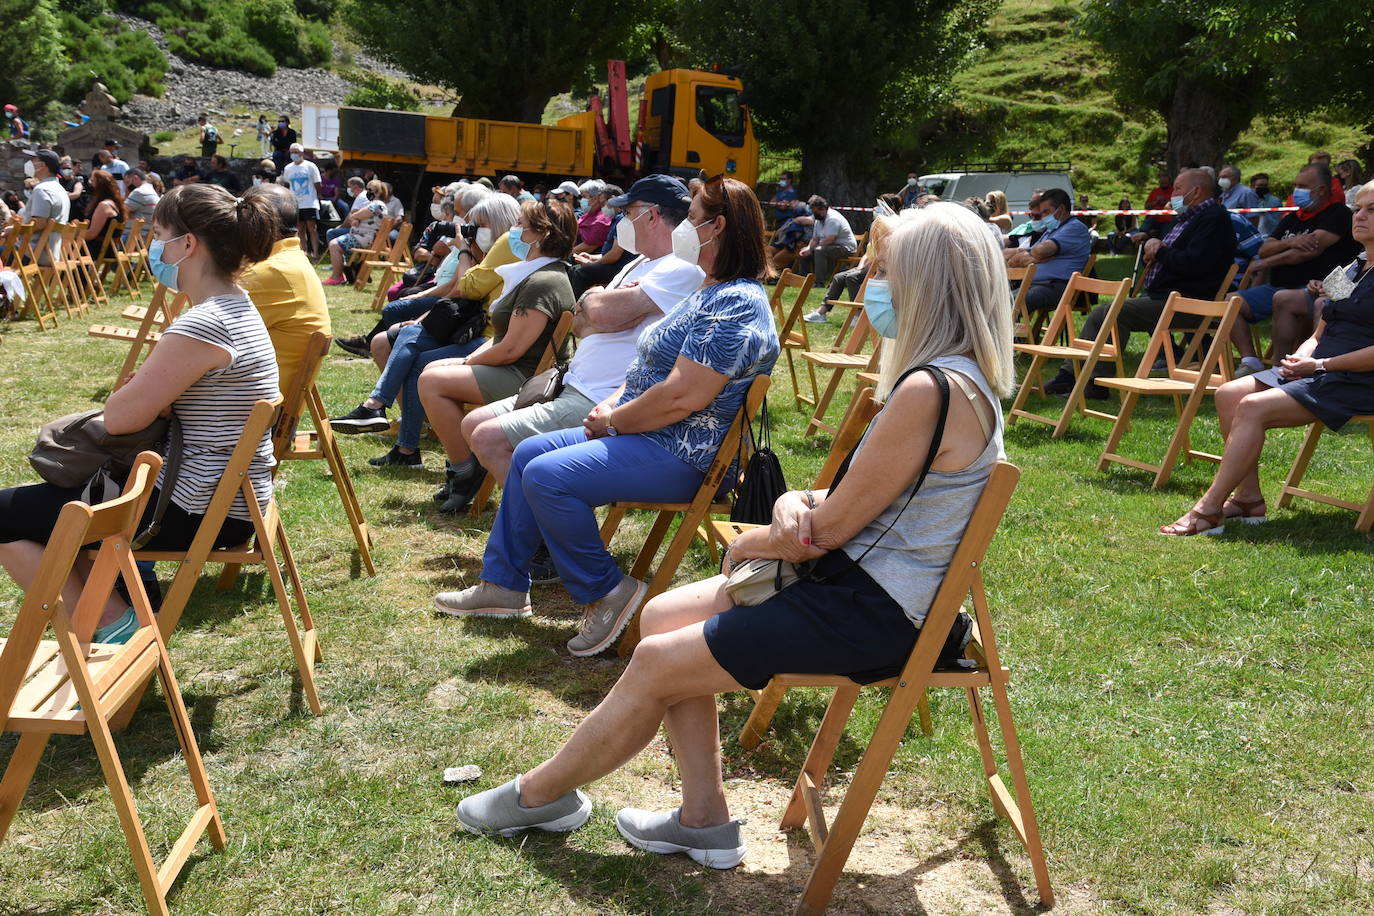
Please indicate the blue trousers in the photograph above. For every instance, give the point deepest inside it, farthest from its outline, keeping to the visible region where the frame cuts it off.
(336, 233)
(400, 310)
(555, 482)
(413, 351)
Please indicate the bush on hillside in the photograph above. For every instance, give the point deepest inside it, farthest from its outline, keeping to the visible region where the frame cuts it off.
(257, 36)
(372, 91)
(126, 61)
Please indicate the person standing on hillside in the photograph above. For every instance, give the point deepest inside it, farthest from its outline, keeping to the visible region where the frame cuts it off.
(282, 138)
(19, 128)
(264, 136)
(303, 178)
(209, 137)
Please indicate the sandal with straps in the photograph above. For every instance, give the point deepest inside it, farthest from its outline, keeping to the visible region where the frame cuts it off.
(1194, 522)
(1248, 511)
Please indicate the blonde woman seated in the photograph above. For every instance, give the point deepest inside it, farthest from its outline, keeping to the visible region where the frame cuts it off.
(939, 294)
(1329, 378)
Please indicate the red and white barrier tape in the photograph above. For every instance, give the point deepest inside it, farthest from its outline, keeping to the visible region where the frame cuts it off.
(1114, 212)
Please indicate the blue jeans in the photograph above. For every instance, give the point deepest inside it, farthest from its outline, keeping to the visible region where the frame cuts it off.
(336, 233)
(555, 482)
(413, 351)
(400, 310)
(1260, 300)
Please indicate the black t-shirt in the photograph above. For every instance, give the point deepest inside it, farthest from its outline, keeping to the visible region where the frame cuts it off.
(226, 179)
(1334, 219)
(282, 139)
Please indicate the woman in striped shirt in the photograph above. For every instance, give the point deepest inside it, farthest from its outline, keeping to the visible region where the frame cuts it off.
(211, 365)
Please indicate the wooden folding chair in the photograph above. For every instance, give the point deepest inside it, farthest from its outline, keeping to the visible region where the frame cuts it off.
(551, 352)
(963, 579)
(301, 395)
(396, 255)
(1085, 354)
(1023, 277)
(381, 244)
(269, 534)
(37, 293)
(849, 321)
(1084, 303)
(69, 685)
(1215, 318)
(792, 332)
(136, 247)
(112, 258)
(861, 413)
(852, 260)
(693, 514)
(88, 277)
(850, 359)
(1292, 483)
(57, 275)
(159, 313)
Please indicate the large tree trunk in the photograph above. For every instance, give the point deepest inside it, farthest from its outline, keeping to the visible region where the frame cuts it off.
(502, 107)
(828, 171)
(1204, 119)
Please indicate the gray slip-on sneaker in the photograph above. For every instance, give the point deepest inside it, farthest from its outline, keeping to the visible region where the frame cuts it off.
(720, 846)
(483, 600)
(499, 811)
(606, 618)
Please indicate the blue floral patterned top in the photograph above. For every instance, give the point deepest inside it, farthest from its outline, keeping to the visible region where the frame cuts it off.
(727, 327)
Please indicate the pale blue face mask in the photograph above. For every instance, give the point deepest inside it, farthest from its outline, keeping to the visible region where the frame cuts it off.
(1302, 197)
(1048, 224)
(518, 246)
(164, 273)
(878, 308)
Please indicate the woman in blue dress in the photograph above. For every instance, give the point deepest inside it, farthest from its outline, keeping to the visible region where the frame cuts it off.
(651, 441)
(1329, 378)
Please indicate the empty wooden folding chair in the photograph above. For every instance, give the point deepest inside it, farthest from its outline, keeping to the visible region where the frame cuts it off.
(136, 247)
(1084, 354)
(851, 359)
(1023, 277)
(1084, 302)
(1215, 318)
(289, 443)
(57, 274)
(113, 258)
(92, 287)
(397, 256)
(963, 579)
(37, 293)
(1292, 484)
(69, 685)
(792, 333)
(162, 309)
(269, 535)
(555, 347)
(694, 514)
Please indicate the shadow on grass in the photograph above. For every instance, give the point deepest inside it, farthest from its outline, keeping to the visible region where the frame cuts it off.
(544, 663)
(659, 884)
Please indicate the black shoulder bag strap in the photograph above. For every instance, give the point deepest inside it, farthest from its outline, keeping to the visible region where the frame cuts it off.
(939, 375)
(171, 470)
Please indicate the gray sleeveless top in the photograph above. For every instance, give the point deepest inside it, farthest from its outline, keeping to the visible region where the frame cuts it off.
(909, 562)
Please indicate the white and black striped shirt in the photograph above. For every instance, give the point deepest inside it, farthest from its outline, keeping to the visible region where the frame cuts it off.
(215, 408)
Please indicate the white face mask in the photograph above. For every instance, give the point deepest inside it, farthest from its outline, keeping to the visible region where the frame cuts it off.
(1224, 183)
(483, 239)
(625, 234)
(686, 243)
(437, 211)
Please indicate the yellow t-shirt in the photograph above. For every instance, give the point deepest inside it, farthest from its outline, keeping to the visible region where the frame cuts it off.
(290, 298)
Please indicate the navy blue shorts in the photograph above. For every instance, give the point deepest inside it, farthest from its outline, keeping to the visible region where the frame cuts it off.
(846, 625)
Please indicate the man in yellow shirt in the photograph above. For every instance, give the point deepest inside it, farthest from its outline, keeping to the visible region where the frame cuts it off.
(285, 287)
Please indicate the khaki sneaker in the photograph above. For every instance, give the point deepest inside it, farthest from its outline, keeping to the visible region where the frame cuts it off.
(606, 618)
(483, 600)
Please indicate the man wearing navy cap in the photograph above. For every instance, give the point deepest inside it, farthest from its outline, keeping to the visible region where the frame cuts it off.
(48, 204)
(608, 322)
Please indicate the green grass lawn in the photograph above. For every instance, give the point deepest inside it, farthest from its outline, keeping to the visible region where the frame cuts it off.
(1195, 713)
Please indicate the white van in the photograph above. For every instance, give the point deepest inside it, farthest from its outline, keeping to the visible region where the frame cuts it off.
(956, 186)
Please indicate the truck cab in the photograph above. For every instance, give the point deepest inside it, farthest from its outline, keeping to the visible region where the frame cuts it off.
(695, 121)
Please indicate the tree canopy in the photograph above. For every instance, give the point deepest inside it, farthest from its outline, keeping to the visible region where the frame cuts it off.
(826, 76)
(1209, 66)
(506, 60)
(31, 47)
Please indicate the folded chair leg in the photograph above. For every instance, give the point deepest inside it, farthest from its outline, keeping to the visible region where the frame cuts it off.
(18, 774)
(342, 481)
(614, 516)
(1299, 468)
(1023, 814)
(765, 707)
(190, 751)
(822, 752)
(298, 587)
(645, 559)
(227, 577)
(305, 655)
(923, 710)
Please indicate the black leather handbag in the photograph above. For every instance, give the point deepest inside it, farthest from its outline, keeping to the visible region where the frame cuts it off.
(455, 321)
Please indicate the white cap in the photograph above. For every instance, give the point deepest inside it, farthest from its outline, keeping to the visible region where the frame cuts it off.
(567, 187)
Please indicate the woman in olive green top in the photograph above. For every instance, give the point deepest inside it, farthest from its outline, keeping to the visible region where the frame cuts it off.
(522, 322)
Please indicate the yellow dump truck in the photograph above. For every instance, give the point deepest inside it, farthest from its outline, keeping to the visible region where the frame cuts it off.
(690, 122)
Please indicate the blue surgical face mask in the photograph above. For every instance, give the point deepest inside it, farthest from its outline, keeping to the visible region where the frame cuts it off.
(164, 273)
(518, 246)
(878, 307)
(1176, 203)
(1048, 224)
(1302, 197)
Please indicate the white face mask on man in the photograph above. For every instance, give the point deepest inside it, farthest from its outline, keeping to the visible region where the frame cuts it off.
(625, 233)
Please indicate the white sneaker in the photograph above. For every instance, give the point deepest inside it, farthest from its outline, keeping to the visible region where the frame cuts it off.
(483, 600)
(816, 317)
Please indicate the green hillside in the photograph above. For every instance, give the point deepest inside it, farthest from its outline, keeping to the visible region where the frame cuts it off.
(1038, 92)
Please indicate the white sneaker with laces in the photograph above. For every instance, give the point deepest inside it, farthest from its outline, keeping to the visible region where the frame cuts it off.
(816, 317)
